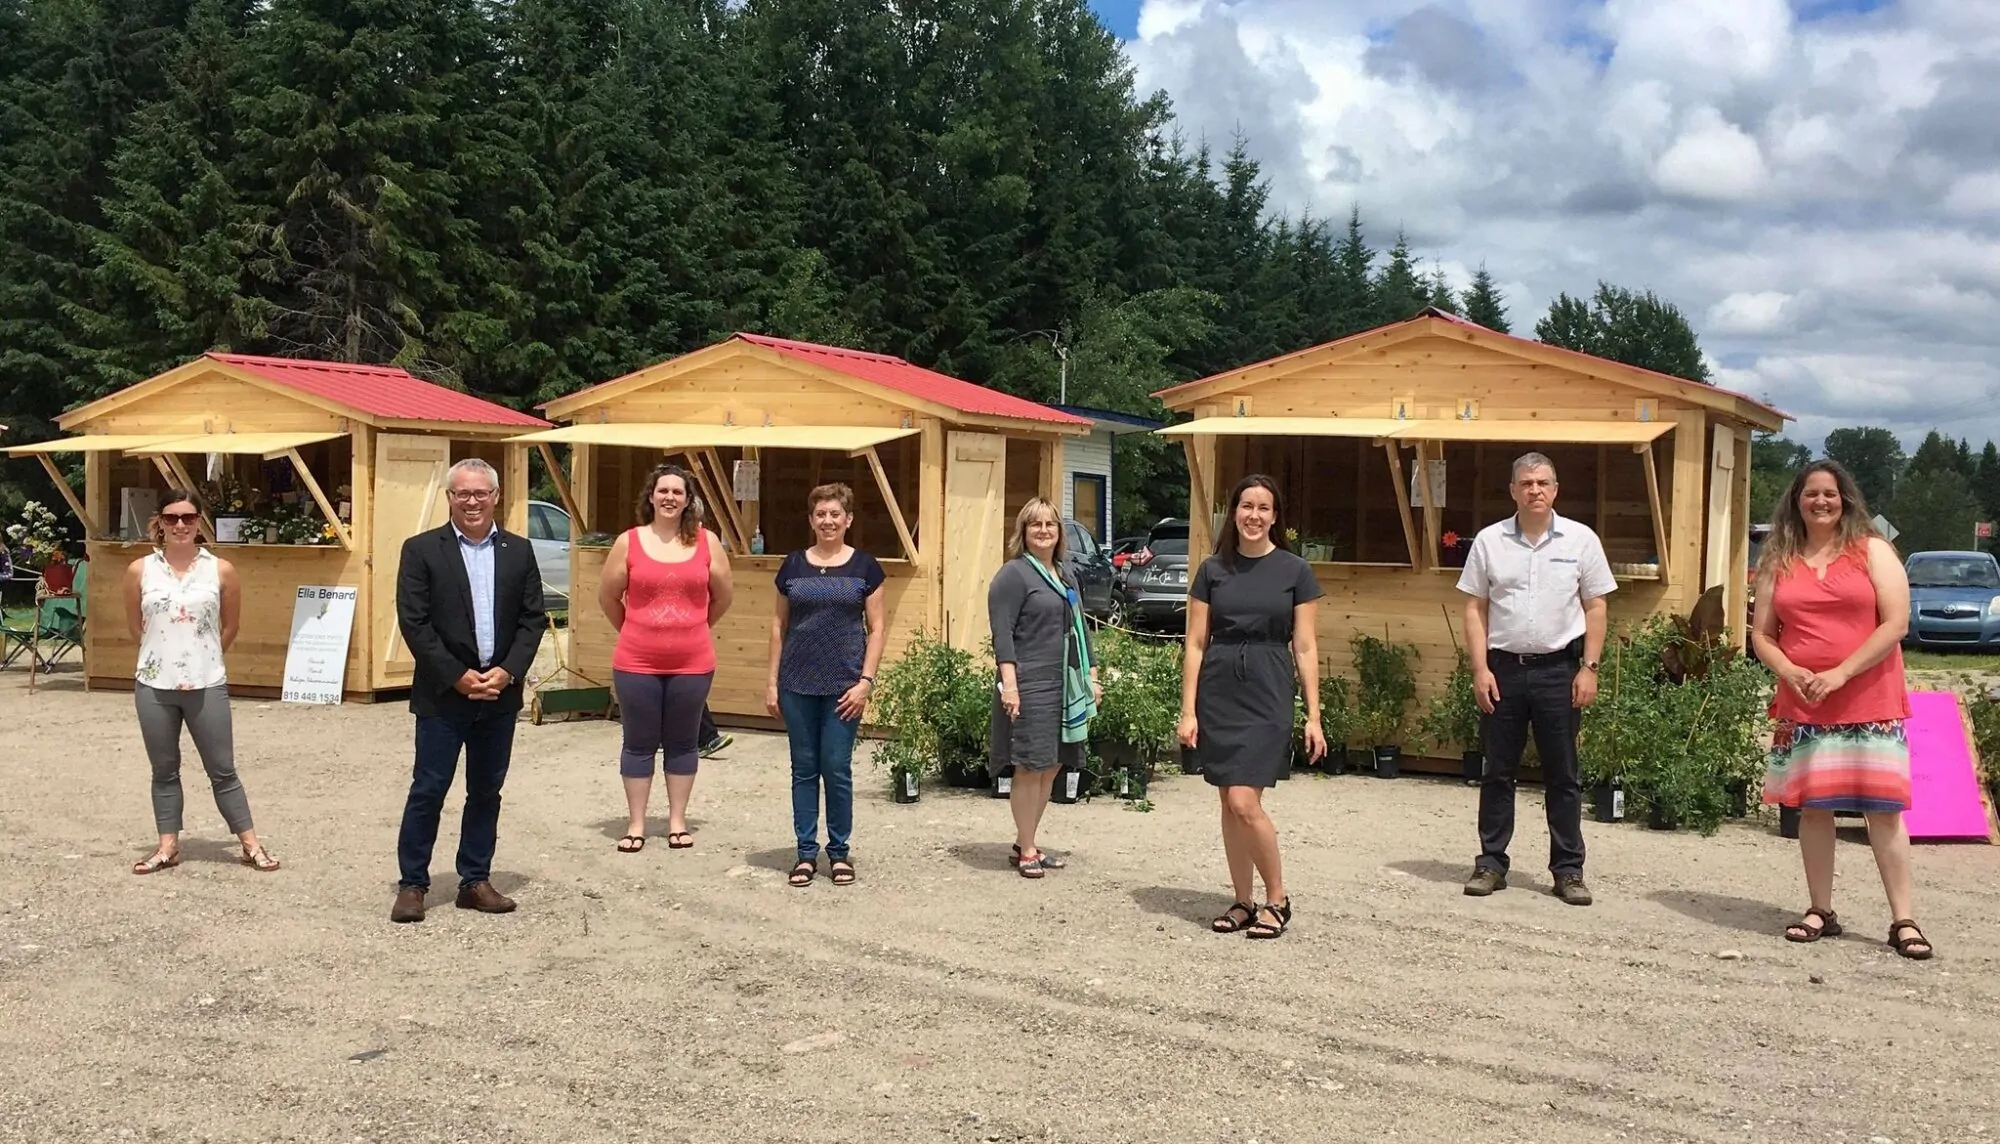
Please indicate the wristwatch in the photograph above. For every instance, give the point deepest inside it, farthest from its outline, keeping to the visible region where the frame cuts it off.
(1590, 665)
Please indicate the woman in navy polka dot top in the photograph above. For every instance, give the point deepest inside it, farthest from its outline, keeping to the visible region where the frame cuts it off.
(826, 641)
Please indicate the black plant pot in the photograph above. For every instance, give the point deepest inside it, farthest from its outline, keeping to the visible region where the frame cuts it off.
(1657, 818)
(1117, 756)
(962, 769)
(1002, 784)
(1128, 782)
(1069, 786)
(1607, 802)
(1388, 762)
(1739, 799)
(1190, 762)
(904, 786)
(1360, 761)
(1788, 822)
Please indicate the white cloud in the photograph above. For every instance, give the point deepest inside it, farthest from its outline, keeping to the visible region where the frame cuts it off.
(1821, 196)
(1711, 159)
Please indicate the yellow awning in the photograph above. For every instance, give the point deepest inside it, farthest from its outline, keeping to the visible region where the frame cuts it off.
(1286, 427)
(1535, 432)
(669, 437)
(93, 443)
(267, 445)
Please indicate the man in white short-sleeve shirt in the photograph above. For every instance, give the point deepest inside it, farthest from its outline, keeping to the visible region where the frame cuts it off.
(1534, 628)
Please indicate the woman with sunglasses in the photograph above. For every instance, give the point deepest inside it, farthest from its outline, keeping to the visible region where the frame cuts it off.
(182, 604)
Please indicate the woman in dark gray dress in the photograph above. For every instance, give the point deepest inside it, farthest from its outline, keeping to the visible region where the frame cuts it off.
(1251, 644)
(1032, 611)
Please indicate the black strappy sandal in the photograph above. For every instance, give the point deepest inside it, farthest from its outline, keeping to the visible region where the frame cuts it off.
(631, 844)
(1800, 932)
(1263, 930)
(1228, 922)
(802, 874)
(1902, 944)
(841, 871)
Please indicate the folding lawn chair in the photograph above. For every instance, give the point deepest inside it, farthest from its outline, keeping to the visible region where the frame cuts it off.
(58, 622)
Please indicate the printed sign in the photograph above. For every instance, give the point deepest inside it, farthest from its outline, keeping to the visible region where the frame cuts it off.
(1436, 486)
(316, 658)
(1944, 786)
(1983, 530)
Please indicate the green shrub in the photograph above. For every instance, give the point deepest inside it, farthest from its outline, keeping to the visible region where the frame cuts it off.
(938, 699)
(1388, 680)
(1451, 720)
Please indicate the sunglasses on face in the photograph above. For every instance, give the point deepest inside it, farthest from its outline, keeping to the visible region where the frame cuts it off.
(180, 518)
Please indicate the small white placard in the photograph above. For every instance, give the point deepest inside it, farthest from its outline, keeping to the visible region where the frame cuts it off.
(316, 658)
(1436, 484)
(229, 530)
(136, 510)
(744, 478)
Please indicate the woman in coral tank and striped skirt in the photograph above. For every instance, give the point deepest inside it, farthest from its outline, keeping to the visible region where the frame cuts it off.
(1832, 609)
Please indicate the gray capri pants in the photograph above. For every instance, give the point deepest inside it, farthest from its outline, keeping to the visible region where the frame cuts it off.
(661, 716)
(206, 716)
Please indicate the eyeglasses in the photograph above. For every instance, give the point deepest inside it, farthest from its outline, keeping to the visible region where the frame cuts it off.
(468, 496)
(180, 518)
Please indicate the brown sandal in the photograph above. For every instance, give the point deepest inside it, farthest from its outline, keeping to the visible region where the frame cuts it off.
(1031, 865)
(1799, 931)
(1228, 922)
(160, 860)
(1902, 944)
(259, 859)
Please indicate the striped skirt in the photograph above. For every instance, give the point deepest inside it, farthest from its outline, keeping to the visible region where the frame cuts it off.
(1841, 766)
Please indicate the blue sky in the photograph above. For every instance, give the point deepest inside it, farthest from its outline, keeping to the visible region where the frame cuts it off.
(1816, 183)
(1121, 16)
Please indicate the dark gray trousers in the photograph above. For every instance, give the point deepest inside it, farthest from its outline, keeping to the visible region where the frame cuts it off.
(205, 714)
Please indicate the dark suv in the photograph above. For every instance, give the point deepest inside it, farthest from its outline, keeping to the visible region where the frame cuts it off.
(1153, 591)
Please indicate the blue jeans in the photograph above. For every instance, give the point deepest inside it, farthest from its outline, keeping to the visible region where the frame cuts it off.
(487, 737)
(822, 752)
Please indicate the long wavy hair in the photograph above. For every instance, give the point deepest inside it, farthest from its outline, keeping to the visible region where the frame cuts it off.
(691, 514)
(1226, 541)
(1787, 541)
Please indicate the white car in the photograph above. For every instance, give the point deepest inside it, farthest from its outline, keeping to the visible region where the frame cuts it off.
(548, 531)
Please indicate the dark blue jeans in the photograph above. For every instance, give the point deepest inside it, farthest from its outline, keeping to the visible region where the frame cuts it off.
(487, 738)
(822, 754)
(1533, 697)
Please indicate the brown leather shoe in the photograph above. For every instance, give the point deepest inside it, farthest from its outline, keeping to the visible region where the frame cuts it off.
(1570, 888)
(409, 905)
(483, 897)
(1485, 881)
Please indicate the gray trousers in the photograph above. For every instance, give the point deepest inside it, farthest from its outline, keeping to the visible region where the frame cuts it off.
(206, 715)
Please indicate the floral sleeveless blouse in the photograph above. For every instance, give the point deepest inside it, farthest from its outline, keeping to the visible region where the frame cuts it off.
(180, 646)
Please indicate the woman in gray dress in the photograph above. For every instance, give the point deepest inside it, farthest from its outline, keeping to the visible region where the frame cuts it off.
(1251, 648)
(1048, 685)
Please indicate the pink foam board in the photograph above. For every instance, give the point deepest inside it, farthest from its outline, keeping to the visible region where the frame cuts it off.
(1944, 785)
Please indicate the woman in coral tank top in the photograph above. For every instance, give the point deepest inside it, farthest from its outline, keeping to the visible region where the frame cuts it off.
(665, 584)
(1833, 606)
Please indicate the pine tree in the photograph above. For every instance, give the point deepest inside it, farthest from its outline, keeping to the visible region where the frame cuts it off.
(1483, 303)
(361, 131)
(1440, 294)
(1986, 482)
(170, 258)
(1968, 466)
(1399, 293)
(1354, 280)
(1936, 455)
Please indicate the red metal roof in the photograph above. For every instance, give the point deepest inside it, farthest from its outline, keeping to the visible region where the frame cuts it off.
(379, 391)
(929, 385)
(1584, 360)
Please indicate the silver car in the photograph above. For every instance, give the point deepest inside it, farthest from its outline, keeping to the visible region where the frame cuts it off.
(548, 531)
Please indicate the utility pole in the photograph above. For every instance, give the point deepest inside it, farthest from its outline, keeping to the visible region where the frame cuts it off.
(1062, 374)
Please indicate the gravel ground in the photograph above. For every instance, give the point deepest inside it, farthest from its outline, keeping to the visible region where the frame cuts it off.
(693, 996)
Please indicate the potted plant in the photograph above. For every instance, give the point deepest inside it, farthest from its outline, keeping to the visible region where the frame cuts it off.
(1336, 718)
(1452, 550)
(1451, 721)
(1388, 685)
(1691, 734)
(911, 693)
(229, 504)
(43, 542)
(1982, 710)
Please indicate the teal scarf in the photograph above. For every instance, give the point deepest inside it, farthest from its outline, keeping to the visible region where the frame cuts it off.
(1079, 703)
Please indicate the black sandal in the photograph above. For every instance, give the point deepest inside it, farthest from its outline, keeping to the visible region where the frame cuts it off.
(1799, 931)
(638, 843)
(1259, 928)
(1032, 867)
(841, 871)
(674, 840)
(1227, 921)
(803, 873)
(1902, 945)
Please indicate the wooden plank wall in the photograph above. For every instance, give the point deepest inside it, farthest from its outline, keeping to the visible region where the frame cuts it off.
(742, 638)
(271, 575)
(748, 392)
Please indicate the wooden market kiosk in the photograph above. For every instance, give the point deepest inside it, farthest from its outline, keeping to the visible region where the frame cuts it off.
(357, 456)
(1659, 466)
(939, 468)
